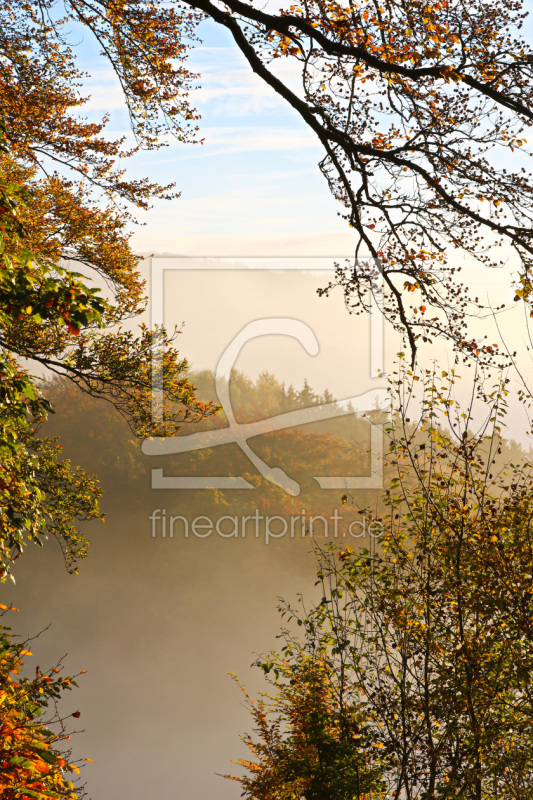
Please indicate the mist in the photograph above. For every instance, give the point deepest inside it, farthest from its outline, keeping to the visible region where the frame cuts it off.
(157, 621)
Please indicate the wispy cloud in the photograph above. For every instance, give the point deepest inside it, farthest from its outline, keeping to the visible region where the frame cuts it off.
(227, 86)
(239, 139)
(104, 91)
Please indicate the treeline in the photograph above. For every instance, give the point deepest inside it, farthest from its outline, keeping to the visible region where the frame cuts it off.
(93, 433)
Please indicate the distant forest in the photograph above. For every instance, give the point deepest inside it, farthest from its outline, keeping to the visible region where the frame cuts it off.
(101, 442)
(93, 433)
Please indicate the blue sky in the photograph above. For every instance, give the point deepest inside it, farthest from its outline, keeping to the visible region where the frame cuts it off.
(253, 187)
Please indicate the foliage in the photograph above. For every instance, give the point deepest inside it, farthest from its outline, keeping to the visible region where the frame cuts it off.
(66, 204)
(41, 495)
(49, 314)
(72, 200)
(418, 104)
(425, 637)
(33, 763)
(146, 46)
(313, 742)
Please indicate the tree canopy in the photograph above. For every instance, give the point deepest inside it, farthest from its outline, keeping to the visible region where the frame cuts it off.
(422, 109)
(65, 206)
(33, 760)
(410, 676)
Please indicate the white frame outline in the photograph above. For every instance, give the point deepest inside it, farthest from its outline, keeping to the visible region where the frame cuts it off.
(151, 446)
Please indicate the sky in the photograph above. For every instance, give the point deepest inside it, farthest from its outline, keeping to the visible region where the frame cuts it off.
(253, 187)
